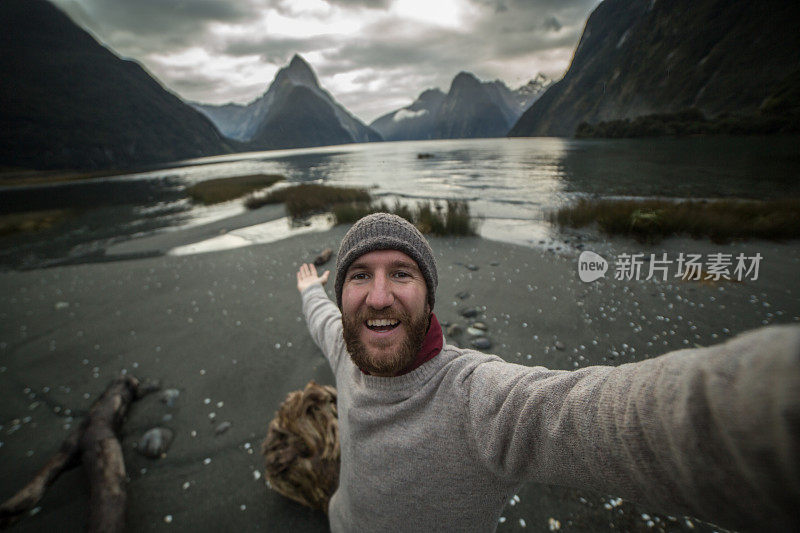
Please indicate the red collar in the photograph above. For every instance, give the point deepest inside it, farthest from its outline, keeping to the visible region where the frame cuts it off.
(432, 345)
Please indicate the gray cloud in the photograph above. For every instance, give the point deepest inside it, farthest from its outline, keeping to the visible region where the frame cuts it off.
(148, 17)
(370, 4)
(277, 50)
(136, 28)
(291, 9)
(552, 23)
(388, 62)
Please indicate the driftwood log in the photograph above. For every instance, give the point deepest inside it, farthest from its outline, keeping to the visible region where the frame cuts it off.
(301, 451)
(95, 444)
(323, 257)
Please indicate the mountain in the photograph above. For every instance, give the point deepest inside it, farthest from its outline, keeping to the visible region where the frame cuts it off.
(294, 112)
(227, 118)
(471, 108)
(68, 102)
(411, 122)
(637, 58)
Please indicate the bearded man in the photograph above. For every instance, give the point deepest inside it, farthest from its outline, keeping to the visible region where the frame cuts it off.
(435, 437)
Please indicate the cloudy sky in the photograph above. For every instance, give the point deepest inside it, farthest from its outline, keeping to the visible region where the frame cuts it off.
(373, 56)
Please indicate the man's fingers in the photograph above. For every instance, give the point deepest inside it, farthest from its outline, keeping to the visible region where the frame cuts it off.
(308, 271)
(304, 271)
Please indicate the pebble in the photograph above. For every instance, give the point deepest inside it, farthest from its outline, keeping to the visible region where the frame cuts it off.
(481, 343)
(454, 330)
(472, 267)
(169, 396)
(469, 312)
(559, 345)
(475, 332)
(168, 519)
(207, 461)
(463, 295)
(222, 428)
(155, 442)
(480, 325)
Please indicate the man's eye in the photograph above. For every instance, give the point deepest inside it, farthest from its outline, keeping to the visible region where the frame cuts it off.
(359, 275)
(402, 274)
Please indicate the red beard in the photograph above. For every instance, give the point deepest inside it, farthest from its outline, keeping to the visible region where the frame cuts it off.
(385, 364)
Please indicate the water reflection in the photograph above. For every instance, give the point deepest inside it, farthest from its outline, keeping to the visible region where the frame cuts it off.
(267, 232)
(510, 183)
(750, 167)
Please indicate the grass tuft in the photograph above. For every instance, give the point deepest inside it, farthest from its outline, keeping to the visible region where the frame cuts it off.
(223, 189)
(429, 219)
(652, 220)
(350, 204)
(31, 221)
(308, 198)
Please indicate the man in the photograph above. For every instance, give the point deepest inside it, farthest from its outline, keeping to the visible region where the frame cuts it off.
(435, 437)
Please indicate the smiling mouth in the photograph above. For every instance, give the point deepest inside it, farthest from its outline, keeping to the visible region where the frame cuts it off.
(382, 325)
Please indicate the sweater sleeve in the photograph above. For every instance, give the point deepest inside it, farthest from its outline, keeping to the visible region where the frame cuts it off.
(324, 322)
(712, 432)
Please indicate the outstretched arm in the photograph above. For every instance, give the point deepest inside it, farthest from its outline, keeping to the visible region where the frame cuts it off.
(322, 316)
(712, 433)
(307, 276)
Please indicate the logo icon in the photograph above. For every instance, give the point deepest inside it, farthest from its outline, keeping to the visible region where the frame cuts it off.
(591, 266)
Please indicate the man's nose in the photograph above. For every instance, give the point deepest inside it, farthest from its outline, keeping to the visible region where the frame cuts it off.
(380, 294)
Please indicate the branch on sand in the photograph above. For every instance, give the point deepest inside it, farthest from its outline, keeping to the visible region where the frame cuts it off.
(95, 444)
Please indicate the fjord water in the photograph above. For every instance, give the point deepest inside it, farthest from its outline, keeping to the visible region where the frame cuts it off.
(510, 183)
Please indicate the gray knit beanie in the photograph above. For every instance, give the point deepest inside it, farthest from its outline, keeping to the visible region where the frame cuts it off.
(383, 231)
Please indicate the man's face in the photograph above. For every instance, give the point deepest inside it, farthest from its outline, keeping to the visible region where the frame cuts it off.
(385, 311)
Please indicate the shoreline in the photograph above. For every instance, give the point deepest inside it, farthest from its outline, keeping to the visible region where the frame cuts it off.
(227, 327)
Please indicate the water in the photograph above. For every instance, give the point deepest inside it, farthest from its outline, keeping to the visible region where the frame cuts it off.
(510, 183)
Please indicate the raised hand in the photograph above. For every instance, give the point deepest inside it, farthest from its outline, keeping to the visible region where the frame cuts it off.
(307, 276)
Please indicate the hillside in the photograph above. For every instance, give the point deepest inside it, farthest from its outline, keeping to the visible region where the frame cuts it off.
(68, 102)
(639, 58)
(470, 108)
(294, 112)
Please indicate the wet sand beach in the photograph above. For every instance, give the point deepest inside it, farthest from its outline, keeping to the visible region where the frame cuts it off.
(226, 330)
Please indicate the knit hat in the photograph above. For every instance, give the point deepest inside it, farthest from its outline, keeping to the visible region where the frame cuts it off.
(383, 231)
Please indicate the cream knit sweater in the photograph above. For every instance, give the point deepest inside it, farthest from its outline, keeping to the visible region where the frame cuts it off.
(711, 432)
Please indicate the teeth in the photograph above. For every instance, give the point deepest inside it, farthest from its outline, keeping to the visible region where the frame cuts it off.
(382, 322)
